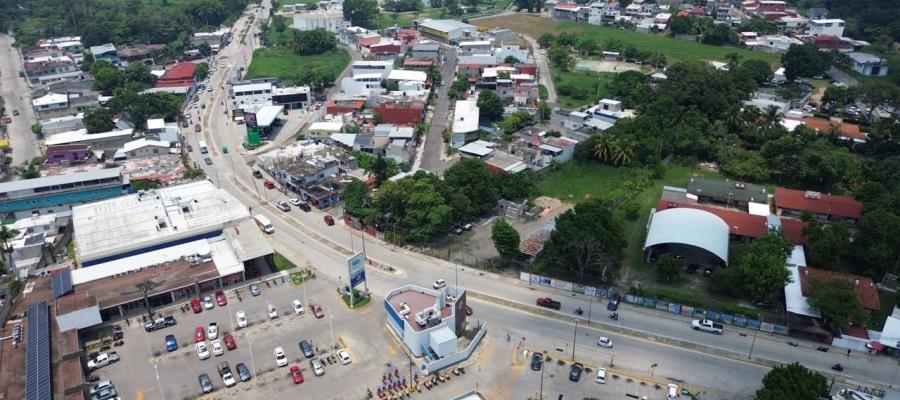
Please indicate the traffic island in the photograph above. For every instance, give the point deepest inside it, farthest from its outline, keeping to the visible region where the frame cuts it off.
(360, 298)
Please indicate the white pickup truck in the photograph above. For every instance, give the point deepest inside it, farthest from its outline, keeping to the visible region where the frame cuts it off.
(706, 325)
(103, 360)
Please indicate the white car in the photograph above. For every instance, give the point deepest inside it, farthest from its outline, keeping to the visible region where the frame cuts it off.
(217, 348)
(295, 201)
(208, 303)
(228, 379)
(317, 366)
(280, 358)
(298, 308)
(601, 375)
(439, 284)
(604, 342)
(212, 332)
(241, 319)
(273, 313)
(202, 350)
(672, 392)
(344, 357)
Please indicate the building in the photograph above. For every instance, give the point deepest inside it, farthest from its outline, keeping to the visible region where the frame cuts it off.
(362, 84)
(58, 193)
(446, 30)
(36, 240)
(103, 143)
(296, 97)
(868, 64)
(825, 207)
(427, 50)
(383, 68)
(773, 43)
(401, 112)
(602, 12)
(68, 153)
(251, 94)
(331, 21)
(844, 130)
(40, 73)
(215, 39)
(105, 52)
(696, 235)
(566, 11)
(729, 193)
(157, 129)
(432, 324)
(142, 53)
(465, 122)
(312, 169)
(344, 106)
(178, 79)
(53, 126)
(144, 147)
(829, 27)
(51, 102)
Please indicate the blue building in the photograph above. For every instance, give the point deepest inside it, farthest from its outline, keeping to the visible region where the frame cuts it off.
(58, 193)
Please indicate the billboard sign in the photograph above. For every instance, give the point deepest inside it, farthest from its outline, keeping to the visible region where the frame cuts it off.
(253, 134)
(356, 265)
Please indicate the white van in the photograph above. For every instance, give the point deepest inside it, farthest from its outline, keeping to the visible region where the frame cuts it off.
(263, 223)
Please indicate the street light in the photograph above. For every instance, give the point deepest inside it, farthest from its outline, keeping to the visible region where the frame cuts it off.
(653, 368)
(574, 338)
(331, 326)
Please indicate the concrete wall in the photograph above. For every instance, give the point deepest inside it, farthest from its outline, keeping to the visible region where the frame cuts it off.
(445, 362)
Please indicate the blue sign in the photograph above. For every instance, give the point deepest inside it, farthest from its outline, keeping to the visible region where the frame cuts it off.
(356, 265)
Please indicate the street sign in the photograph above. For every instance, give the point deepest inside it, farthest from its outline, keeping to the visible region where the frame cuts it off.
(356, 264)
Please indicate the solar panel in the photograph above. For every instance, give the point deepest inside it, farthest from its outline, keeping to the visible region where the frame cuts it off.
(62, 283)
(34, 239)
(38, 385)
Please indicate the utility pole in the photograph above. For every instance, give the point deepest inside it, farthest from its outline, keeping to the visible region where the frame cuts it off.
(574, 338)
(753, 343)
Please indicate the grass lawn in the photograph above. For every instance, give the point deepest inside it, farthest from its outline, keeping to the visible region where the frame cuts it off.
(580, 87)
(388, 19)
(280, 263)
(293, 69)
(673, 49)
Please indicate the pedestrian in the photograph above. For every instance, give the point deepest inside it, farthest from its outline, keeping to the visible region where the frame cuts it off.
(848, 352)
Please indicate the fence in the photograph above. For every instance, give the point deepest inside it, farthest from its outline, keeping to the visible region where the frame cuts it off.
(659, 304)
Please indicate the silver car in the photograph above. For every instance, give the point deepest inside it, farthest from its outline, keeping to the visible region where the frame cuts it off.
(317, 366)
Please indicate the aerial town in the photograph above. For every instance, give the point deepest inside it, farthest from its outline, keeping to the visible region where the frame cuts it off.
(424, 199)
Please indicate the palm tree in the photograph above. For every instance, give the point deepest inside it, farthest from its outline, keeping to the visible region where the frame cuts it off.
(733, 60)
(6, 235)
(624, 152)
(772, 116)
(605, 147)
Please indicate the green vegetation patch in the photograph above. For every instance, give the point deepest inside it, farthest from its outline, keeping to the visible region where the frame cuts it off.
(577, 88)
(292, 69)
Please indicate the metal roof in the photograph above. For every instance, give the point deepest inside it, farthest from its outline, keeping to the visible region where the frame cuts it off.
(445, 25)
(38, 383)
(690, 227)
(53, 180)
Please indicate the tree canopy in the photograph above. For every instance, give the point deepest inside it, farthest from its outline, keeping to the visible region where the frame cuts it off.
(586, 240)
(762, 265)
(505, 238)
(804, 61)
(315, 41)
(98, 120)
(792, 382)
(361, 12)
(838, 302)
(489, 105)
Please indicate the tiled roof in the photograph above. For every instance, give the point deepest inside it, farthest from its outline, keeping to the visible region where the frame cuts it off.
(793, 230)
(841, 206)
(843, 129)
(739, 223)
(865, 289)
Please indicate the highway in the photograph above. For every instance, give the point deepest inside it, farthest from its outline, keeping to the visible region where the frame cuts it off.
(305, 239)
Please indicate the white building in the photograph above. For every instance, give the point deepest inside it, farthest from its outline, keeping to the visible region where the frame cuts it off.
(293, 97)
(62, 124)
(511, 50)
(50, 102)
(330, 21)
(427, 320)
(446, 29)
(774, 43)
(194, 221)
(372, 67)
(251, 94)
(144, 147)
(157, 129)
(473, 45)
(831, 27)
(362, 84)
(465, 122)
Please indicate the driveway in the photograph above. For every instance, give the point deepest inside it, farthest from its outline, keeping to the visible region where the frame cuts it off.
(544, 68)
(17, 96)
(432, 156)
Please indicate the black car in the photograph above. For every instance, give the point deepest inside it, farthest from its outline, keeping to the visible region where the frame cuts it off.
(243, 372)
(575, 372)
(537, 361)
(305, 207)
(205, 383)
(614, 299)
(208, 161)
(307, 349)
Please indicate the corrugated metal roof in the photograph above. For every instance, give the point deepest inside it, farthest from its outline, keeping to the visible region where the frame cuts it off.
(26, 184)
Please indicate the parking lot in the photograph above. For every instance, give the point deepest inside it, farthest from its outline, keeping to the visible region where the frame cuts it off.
(148, 371)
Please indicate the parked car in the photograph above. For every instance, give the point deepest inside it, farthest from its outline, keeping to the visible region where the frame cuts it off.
(344, 357)
(601, 375)
(225, 373)
(171, 343)
(295, 201)
(298, 308)
(197, 128)
(280, 357)
(208, 303)
(440, 283)
(208, 161)
(202, 350)
(102, 360)
(16, 113)
(317, 310)
(537, 361)
(549, 303)
(317, 366)
(273, 313)
(199, 334)
(230, 344)
(305, 207)
(241, 319)
(575, 372)
(254, 290)
(243, 372)
(457, 229)
(217, 348)
(257, 174)
(195, 305)
(100, 385)
(221, 299)
(307, 349)
(614, 300)
(296, 374)
(329, 220)
(268, 184)
(205, 383)
(706, 325)
(283, 206)
(106, 393)
(672, 392)
(604, 342)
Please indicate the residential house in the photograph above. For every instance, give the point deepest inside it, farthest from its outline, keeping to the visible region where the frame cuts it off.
(566, 11)
(383, 68)
(331, 21)
(142, 53)
(774, 43)
(868, 64)
(178, 79)
(402, 112)
(53, 105)
(836, 126)
(48, 71)
(145, 148)
(157, 129)
(465, 122)
(831, 44)
(795, 24)
(427, 50)
(215, 39)
(729, 193)
(311, 169)
(105, 144)
(105, 52)
(825, 207)
(67, 123)
(601, 12)
(68, 153)
(772, 10)
(829, 27)
(344, 106)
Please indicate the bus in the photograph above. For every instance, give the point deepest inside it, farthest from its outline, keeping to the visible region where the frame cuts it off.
(203, 148)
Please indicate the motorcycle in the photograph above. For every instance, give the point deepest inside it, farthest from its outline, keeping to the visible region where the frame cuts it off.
(579, 311)
(614, 316)
(793, 343)
(837, 367)
(823, 349)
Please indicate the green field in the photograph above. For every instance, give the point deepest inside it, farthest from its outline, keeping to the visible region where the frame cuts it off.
(388, 19)
(674, 49)
(293, 69)
(580, 87)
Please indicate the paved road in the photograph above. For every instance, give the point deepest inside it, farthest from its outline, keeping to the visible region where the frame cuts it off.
(17, 96)
(433, 153)
(544, 69)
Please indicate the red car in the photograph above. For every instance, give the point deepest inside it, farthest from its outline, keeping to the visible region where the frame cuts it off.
(229, 342)
(199, 334)
(221, 300)
(549, 303)
(296, 374)
(195, 305)
(317, 310)
(268, 184)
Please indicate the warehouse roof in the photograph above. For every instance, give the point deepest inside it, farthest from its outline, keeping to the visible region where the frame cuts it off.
(445, 25)
(690, 227)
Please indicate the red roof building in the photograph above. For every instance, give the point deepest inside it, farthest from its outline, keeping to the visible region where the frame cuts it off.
(180, 75)
(831, 43)
(405, 112)
(343, 107)
(864, 287)
(417, 63)
(384, 49)
(842, 129)
(793, 230)
(824, 206)
(406, 35)
(744, 225)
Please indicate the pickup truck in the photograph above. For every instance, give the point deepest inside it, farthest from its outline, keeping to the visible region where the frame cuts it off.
(706, 325)
(549, 303)
(103, 360)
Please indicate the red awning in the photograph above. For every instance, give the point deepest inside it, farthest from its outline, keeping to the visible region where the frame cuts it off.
(875, 345)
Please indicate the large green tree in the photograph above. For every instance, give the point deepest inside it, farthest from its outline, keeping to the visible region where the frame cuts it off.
(804, 61)
(762, 265)
(668, 267)
(315, 41)
(98, 120)
(505, 238)
(792, 382)
(472, 178)
(361, 12)
(560, 57)
(489, 105)
(587, 239)
(838, 302)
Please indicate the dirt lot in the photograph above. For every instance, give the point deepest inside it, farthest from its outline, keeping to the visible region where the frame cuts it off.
(606, 66)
